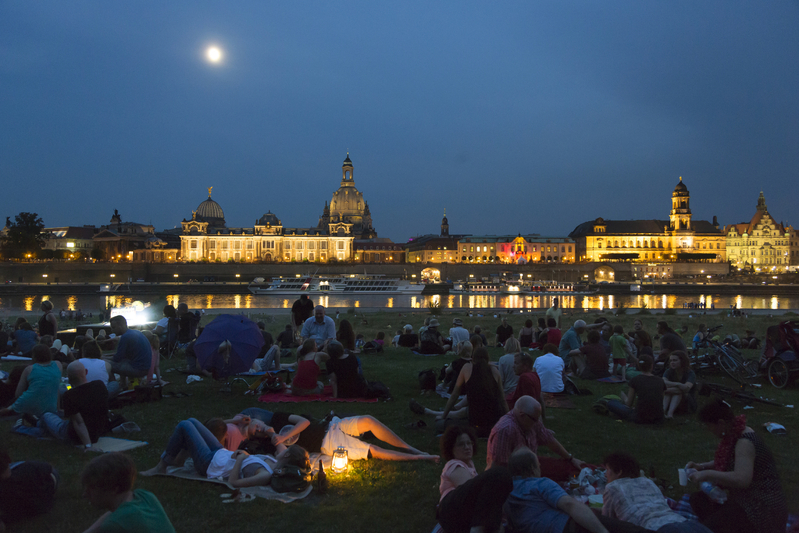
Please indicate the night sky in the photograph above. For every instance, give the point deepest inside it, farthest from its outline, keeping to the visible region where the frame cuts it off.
(517, 117)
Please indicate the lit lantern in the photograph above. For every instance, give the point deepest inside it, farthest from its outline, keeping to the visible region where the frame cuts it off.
(339, 460)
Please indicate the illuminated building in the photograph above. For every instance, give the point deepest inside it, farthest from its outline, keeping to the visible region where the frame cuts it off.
(761, 243)
(517, 249)
(678, 239)
(206, 237)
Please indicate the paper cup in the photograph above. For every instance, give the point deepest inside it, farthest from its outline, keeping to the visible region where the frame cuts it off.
(683, 476)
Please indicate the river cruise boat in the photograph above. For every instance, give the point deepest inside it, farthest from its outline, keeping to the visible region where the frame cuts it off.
(476, 287)
(344, 284)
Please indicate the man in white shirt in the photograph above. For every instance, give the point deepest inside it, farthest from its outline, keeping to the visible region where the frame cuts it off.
(549, 368)
(458, 334)
(555, 311)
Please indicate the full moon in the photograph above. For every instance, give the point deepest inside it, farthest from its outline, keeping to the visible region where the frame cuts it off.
(213, 54)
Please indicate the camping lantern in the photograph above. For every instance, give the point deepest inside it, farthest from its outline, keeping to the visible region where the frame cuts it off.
(339, 460)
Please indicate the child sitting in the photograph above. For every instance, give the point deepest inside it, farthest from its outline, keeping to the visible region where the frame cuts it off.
(108, 485)
(380, 338)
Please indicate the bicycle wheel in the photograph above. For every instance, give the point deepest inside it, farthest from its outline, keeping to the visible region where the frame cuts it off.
(729, 365)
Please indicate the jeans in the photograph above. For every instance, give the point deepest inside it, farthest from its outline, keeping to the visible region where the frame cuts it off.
(50, 424)
(259, 414)
(621, 410)
(124, 368)
(688, 526)
(113, 389)
(193, 436)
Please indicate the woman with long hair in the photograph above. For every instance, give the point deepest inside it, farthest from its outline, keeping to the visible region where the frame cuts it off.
(469, 500)
(679, 379)
(346, 335)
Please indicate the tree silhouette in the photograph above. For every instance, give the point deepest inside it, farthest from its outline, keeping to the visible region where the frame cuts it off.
(24, 235)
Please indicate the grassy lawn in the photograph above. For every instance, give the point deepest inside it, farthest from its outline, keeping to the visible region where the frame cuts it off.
(396, 496)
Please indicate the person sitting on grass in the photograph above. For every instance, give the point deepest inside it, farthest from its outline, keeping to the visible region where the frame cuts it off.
(477, 330)
(506, 363)
(634, 498)
(680, 394)
(344, 373)
(523, 427)
(408, 339)
(700, 338)
(325, 436)
(24, 338)
(37, 391)
(155, 361)
(485, 400)
(620, 351)
(550, 369)
(108, 482)
(26, 490)
(528, 384)
(539, 504)
(743, 466)
(469, 501)
(453, 371)
(309, 364)
(380, 338)
(85, 409)
(432, 343)
(134, 354)
(590, 361)
(97, 368)
(648, 388)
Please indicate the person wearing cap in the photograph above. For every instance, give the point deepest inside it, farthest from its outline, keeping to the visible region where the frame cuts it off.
(431, 340)
(571, 342)
(457, 333)
(408, 339)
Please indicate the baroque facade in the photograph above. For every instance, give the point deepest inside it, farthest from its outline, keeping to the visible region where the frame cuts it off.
(680, 238)
(206, 237)
(520, 249)
(760, 244)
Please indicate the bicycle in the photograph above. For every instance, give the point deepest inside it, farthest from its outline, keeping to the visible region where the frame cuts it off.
(726, 357)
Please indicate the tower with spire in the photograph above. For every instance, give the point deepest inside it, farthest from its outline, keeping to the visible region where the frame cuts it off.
(445, 225)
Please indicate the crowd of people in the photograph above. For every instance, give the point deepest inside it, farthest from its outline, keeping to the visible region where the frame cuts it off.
(502, 401)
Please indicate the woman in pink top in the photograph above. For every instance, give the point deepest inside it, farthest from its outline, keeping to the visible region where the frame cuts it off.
(309, 362)
(469, 501)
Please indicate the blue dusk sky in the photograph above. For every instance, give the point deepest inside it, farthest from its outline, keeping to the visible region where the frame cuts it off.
(515, 117)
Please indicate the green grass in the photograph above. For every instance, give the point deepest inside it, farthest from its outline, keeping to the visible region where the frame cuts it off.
(394, 496)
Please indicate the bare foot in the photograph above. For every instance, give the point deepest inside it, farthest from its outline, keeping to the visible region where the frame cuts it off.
(160, 468)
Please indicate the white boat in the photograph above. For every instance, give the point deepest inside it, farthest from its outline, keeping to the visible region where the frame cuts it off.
(476, 287)
(344, 284)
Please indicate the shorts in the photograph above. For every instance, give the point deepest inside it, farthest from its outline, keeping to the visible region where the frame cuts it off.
(622, 362)
(343, 432)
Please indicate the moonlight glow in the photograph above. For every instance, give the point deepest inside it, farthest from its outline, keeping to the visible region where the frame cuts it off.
(213, 54)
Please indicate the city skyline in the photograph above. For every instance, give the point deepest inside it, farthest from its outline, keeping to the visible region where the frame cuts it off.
(518, 118)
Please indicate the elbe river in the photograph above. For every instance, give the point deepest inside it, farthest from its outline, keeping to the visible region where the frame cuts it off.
(97, 302)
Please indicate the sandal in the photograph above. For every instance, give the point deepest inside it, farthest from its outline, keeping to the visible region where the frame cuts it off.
(416, 407)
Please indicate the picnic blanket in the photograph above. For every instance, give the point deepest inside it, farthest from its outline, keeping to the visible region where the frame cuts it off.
(424, 354)
(612, 379)
(326, 396)
(557, 401)
(15, 358)
(113, 444)
(187, 471)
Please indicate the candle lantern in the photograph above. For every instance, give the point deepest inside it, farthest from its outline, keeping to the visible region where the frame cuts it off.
(339, 460)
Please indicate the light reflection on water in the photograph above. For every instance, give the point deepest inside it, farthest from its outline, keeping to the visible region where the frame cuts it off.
(93, 303)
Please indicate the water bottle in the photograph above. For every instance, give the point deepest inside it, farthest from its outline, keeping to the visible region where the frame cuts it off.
(717, 494)
(321, 479)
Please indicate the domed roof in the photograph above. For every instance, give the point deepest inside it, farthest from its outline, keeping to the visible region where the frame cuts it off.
(681, 188)
(347, 201)
(269, 219)
(210, 211)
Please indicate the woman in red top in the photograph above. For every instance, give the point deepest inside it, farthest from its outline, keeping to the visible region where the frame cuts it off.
(309, 362)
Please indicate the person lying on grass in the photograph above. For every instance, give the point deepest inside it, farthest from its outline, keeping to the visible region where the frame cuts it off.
(211, 459)
(325, 436)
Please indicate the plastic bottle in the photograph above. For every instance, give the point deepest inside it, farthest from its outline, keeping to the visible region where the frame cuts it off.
(717, 494)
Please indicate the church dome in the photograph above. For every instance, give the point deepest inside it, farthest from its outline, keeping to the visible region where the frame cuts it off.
(347, 201)
(210, 211)
(269, 219)
(680, 188)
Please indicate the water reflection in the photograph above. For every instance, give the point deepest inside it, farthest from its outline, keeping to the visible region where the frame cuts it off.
(520, 303)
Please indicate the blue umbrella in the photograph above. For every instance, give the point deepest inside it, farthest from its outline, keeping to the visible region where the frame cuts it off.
(245, 342)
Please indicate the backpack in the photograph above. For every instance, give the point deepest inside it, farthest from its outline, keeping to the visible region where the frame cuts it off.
(290, 478)
(372, 347)
(377, 389)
